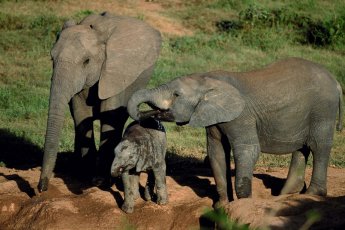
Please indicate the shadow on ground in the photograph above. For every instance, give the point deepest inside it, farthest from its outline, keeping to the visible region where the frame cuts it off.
(18, 152)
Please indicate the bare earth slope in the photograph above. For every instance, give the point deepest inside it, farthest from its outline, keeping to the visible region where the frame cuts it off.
(71, 204)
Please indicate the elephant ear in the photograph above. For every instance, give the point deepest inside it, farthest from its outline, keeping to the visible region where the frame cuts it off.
(146, 157)
(68, 24)
(221, 103)
(142, 163)
(132, 46)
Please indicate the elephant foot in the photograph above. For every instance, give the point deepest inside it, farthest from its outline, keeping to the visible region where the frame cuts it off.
(43, 184)
(127, 208)
(148, 193)
(316, 190)
(293, 187)
(162, 201)
(221, 204)
(136, 194)
(148, 196)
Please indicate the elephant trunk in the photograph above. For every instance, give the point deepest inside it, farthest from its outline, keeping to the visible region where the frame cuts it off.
(116, 169)
(60, 95)
(153, 97)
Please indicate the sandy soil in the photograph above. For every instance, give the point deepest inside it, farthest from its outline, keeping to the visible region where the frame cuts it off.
(71, 203)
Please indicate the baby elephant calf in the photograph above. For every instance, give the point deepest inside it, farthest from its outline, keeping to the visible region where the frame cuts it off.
(142, 148)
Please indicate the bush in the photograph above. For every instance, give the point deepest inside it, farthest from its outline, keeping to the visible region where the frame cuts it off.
(305, 29)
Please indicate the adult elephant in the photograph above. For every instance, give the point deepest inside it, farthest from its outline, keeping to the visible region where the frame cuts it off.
(97, 65)
(288, 106)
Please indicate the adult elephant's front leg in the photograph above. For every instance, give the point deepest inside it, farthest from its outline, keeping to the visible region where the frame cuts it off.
(218, 162)
(83, 117)
(112, 124)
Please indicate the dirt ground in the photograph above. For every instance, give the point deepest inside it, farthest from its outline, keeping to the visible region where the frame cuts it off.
(71, 203)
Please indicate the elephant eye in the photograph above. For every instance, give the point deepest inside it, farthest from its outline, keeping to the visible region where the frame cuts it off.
(176, 94)
(86, 62)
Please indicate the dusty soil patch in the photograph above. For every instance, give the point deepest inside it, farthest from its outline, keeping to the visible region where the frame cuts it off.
(73, 204)
(149, 11)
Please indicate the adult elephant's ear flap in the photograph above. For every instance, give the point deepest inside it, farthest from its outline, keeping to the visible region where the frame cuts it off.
(66, 24)
(131, 50)
(222, 103)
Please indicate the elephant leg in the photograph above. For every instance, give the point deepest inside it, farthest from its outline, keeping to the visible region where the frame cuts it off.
(83, 118)
(112, 124)
(150, 184)
(245, 156)
(160, 183)
(295, 178)
(218, 162)
(131, 191)
(321, 148)
(318, 184)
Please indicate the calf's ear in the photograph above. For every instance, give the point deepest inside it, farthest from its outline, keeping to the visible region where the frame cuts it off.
(141, 164)
(146, 156)
(221, 103)
(143, 161)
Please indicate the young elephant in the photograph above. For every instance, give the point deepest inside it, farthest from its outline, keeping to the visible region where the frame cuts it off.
(142, 148)
(288, 106)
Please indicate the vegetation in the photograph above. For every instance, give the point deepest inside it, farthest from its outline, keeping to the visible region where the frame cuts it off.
(222, 221)
(232, 35)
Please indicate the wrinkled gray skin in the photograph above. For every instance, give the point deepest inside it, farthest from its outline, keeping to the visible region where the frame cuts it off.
(288, 106)
(97, 65)
(142, 148)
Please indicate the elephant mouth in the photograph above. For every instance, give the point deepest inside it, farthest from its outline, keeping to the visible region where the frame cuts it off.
(117, 172)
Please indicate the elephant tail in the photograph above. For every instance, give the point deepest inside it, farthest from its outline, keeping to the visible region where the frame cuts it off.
(340, 115)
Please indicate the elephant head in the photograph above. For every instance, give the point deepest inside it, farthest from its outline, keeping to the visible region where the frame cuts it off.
(199, 99)
(111, 51)
(126, 157)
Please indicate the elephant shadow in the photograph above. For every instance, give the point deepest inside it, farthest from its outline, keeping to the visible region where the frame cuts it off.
(75, 174)
(276, 184)
(23, 185)
(18, 152)
(192, 173)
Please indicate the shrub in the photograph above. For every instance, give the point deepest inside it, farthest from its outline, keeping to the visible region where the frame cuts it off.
(305, 29)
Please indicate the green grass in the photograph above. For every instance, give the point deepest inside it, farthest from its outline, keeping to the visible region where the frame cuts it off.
(231, 35)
